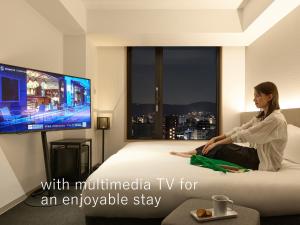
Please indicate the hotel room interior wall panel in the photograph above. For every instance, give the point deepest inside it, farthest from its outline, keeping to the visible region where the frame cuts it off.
(91, 73)
(22, 45)
(74, 58)
(233, 86)
(10, 187)
(111, 92)
(163, 21)
(69, 17)
(275, 57)
(251, 10)
(80, 59)
(77, 10)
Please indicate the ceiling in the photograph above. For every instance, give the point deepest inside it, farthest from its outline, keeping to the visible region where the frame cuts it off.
(165, 22)
(161, 4)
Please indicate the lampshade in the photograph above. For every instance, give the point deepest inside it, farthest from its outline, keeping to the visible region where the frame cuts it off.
(103, 123)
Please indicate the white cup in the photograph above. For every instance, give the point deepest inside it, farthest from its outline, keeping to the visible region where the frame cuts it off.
(220, 204)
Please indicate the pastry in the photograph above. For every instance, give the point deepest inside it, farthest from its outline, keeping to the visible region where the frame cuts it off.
(203, 213)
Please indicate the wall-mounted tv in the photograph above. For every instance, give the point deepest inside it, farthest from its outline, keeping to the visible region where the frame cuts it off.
(34, 100)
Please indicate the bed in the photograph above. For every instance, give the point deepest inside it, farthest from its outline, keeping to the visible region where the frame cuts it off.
(173, 180)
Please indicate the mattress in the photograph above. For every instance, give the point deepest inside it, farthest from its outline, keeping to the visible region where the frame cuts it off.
(152, 183)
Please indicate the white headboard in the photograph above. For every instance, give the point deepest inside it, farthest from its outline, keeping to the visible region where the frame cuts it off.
(292, 116)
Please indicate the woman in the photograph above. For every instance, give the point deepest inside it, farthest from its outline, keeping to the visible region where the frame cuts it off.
(266, 133)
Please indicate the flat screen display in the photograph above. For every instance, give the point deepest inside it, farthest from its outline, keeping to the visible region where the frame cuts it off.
(33, 100)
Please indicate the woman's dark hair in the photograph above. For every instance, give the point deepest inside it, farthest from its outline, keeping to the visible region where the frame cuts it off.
(268, 88)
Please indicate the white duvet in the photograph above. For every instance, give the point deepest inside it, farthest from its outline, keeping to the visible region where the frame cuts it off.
(153, 183)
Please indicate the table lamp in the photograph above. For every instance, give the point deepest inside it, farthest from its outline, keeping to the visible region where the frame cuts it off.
(103, 124)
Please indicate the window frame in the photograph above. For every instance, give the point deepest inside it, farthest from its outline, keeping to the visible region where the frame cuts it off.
(159, 84)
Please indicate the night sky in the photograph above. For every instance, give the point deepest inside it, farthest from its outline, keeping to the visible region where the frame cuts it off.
(189, 75)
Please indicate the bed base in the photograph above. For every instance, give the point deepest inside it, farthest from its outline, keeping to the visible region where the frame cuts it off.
(272, 220)
(117, 221)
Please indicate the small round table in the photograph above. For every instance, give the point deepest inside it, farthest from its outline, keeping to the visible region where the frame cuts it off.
(182, 216)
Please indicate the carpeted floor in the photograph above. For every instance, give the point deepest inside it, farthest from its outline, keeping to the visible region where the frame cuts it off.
(57, 215)
(23, 214)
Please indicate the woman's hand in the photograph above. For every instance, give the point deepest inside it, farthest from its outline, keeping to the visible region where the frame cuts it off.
(208, 148)
(211, 141)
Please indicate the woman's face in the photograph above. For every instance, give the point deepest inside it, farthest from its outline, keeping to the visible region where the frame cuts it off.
(261, 100)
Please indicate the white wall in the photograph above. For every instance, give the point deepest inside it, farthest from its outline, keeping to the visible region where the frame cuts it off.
(111, 90)
(27, 40)
(74, 58)
(275, 57)
(10, 186)
(252, 10)
(78, 11)
(162, 21)
(80, 59)
(91, 73)
(233, 86)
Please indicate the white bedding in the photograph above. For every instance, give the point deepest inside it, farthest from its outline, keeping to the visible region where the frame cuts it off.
(271, 193)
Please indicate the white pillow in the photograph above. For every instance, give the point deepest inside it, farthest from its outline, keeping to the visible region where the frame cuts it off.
(292, 149)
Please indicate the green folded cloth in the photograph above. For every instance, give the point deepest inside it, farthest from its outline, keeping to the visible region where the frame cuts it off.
(217, 165)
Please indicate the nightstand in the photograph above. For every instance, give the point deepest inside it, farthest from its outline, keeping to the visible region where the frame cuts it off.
(71, 159)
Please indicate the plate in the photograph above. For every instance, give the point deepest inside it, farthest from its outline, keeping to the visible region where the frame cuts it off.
(230, 214)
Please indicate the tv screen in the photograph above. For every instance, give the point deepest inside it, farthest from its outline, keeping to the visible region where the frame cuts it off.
(33, 100)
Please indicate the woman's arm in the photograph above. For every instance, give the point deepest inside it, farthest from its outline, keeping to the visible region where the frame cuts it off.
(243, 127)
(265, 131)
(213, 140)
(219, 138)
(226, 140)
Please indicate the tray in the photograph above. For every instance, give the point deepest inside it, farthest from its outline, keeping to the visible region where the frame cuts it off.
(230, 214)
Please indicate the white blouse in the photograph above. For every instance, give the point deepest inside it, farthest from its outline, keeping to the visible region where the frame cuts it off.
(268, 137)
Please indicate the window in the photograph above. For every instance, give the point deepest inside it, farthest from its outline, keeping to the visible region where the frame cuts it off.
(172, 92)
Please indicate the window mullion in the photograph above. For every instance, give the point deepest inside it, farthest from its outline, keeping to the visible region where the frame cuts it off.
(158, 130)
(129, 97)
